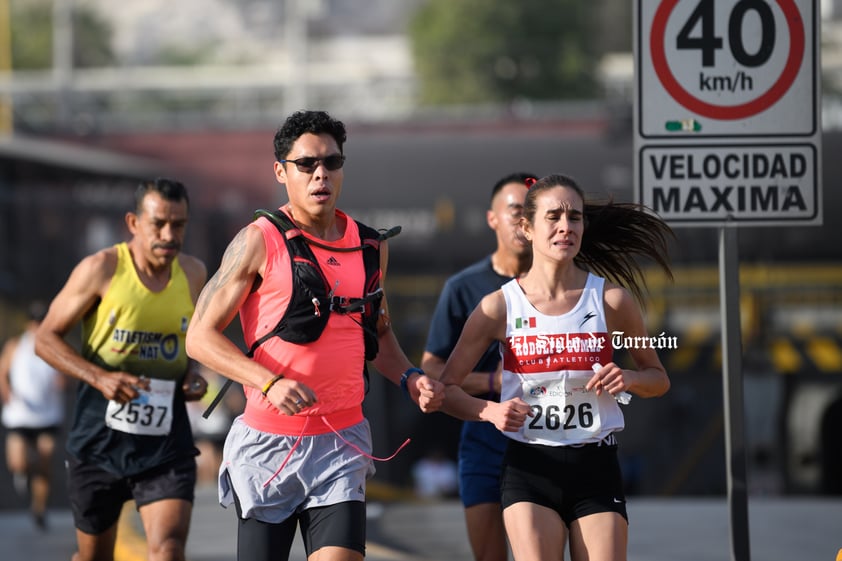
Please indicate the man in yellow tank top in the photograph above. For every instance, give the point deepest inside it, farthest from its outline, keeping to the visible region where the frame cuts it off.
(130, 438)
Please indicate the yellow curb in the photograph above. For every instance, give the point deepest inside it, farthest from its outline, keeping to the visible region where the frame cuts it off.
(131, 544)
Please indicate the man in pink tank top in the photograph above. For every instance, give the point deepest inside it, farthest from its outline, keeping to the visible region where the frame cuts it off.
(300, 454)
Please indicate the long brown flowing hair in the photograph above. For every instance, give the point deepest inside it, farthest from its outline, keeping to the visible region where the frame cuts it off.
(615, 235)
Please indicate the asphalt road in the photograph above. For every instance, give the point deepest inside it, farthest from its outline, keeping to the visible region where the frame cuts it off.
(662, 529)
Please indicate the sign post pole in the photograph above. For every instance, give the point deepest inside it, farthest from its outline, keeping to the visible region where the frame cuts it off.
(732, 391)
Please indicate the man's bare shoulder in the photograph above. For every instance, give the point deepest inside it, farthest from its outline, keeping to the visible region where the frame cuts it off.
(247, 251)
(99, 265)
(194, 268)
(92, 275)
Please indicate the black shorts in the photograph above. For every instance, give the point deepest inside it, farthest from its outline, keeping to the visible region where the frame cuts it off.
(337, 525)
(30, 435)
(573, 481)
(97, 496)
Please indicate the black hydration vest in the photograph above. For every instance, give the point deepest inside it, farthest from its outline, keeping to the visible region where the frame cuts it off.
(312, 299)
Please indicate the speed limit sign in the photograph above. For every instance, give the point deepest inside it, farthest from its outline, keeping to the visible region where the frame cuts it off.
(727, 67)
(727, 111)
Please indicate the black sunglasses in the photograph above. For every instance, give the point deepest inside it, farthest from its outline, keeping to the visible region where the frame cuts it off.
(309, 164)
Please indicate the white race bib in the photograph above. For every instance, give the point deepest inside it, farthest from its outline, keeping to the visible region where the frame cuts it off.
(563, 411)
(149, 414)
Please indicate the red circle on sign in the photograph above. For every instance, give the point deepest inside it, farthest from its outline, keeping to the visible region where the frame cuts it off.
(727, 112)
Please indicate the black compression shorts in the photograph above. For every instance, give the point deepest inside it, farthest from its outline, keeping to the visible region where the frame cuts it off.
(337, 525)
(573, 481)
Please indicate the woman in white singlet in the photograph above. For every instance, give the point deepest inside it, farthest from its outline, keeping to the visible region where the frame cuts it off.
(561, 479)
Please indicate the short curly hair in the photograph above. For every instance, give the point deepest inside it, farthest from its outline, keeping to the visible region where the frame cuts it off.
(302, 122)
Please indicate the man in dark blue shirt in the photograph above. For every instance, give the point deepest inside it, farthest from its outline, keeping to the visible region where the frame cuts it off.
(481, 445)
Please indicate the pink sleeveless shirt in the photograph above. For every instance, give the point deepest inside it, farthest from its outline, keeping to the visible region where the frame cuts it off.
(331, 366)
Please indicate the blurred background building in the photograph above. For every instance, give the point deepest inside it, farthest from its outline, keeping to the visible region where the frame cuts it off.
(441, 98)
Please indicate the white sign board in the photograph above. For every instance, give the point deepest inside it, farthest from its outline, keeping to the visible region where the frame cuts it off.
(727, 119)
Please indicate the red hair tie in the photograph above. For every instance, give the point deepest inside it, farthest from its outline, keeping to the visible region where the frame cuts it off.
(529, 182)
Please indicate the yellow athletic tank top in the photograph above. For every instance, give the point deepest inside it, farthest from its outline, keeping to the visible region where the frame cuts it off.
(137, 330)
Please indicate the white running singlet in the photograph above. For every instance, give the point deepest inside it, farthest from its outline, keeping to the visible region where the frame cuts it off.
(37, 400)
(547, 362)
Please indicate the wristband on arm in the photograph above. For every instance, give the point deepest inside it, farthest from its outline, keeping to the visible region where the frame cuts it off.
(270, 383)
(405, 378)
